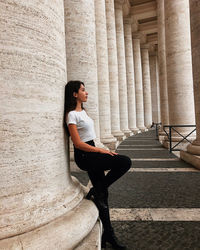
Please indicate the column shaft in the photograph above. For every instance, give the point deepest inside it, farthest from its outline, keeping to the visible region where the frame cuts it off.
(103, 75)
(179, 64)
(138, 84)
(81, 51)
(146, 86)
(130, 75)
(154, 88)
(113, 69)
(194, 148)
(123, 105)
(164, 112)
(36, 189)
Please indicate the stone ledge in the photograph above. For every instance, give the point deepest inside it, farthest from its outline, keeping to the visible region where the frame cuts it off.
(190, 158)
(65, 232)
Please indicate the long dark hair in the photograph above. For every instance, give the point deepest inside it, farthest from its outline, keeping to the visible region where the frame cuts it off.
(70, 101)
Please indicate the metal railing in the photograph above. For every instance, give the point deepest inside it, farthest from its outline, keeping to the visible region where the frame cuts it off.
(173, 128)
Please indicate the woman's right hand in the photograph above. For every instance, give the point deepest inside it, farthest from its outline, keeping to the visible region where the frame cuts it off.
(105, 151)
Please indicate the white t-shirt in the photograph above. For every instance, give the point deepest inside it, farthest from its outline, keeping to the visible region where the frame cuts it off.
(84, 123)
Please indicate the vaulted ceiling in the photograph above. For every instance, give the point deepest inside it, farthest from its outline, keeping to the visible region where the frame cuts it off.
(144, 14)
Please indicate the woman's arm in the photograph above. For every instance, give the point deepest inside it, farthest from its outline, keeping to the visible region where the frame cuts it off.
(82, 145)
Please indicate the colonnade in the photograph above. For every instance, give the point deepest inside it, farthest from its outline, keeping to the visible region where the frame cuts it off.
(178, 70)
(130, 82)
(119, 74)
(192, 155)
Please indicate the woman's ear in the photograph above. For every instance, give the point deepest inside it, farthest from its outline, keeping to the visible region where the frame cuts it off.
(75, 94)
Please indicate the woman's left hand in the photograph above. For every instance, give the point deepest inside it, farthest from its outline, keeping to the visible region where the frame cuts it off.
(105, 151)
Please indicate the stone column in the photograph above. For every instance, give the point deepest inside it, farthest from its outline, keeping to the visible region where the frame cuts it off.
(123, 104)
(130, 75)
(138, 82)
(158, 87)
(103, 75)
(154, 87)
(146, 85)
(193, 150)
(113, 70)
(40, 203)
(164, 112)
(81, 51)
(179, 64)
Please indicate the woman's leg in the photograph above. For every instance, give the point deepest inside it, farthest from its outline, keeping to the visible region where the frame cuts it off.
(101, 200)
(101, 197)
(120, 165)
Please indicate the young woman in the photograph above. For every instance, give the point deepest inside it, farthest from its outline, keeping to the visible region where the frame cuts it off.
(92, 159)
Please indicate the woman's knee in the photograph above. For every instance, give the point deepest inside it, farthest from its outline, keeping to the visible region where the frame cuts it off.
(125, 162)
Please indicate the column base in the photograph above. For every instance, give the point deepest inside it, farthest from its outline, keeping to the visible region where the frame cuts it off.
(135, 130)
(190, 158)
(112, 145)
(194, 148)
(65, 232)
(110, 142)
(127, 132)
(99, 144)
(161, 138)
(119, 135)
(143, 129)
(148, 126)
(93, 240)
(182, 146)
(120, 138)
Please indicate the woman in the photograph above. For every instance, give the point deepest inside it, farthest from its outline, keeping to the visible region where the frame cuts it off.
(92, 159)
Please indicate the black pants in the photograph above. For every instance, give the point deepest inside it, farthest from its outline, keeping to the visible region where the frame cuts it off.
(96, 163)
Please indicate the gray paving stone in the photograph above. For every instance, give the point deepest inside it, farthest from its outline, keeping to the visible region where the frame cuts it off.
(147, 154)
(161, 164)
(140, 142)
(142, 235)
(156, 190)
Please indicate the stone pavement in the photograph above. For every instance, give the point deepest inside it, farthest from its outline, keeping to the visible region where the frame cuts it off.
(156, 205)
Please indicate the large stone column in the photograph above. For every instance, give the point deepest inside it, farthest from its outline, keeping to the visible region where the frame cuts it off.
(81, 51)
(103, 76)
(158, 86)
(179, 64)
(113, 70)
(193, 151)
(164, 112)
(154, 87)
(130, 75)
(123, 104)
(146, 85)
(138, 82)
(40, 203)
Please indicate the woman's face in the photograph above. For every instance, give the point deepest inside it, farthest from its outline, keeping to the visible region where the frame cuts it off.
(82, 94)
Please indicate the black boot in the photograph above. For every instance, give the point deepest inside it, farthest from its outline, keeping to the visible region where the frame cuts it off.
(92, 195)
(99, 195)
(109, 236)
